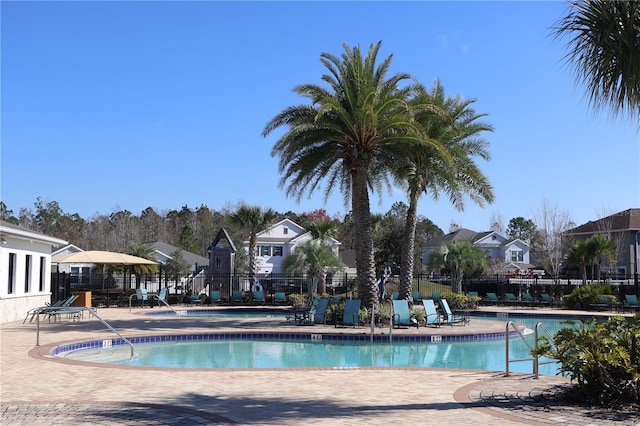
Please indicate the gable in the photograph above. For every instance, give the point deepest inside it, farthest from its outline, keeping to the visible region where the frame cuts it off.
(283, 231)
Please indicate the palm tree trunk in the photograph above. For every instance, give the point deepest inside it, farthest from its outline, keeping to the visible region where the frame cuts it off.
(406, 257)
(253, 267)
(363, 239)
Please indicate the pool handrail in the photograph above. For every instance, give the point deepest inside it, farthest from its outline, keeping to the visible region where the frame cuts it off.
(534, 358)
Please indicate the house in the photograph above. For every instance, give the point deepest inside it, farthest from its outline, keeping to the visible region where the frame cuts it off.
(165, 252)
(624, 229)
(278, 241)
(25, 270)
(511, 254)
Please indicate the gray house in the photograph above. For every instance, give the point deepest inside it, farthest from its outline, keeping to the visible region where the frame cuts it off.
(512, 255)
(624, 229)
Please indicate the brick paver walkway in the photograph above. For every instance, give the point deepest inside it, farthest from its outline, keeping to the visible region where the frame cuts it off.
(36, 390)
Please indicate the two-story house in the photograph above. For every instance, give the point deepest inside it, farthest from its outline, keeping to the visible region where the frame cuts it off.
(512, 255)
(278, 241)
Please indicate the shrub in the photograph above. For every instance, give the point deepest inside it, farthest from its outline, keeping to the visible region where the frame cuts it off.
(602, 357)
(298, 301)
(586, 295)
(462, 301)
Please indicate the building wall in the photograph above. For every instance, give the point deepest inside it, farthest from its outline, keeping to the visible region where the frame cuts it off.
(15, 304)
(25, 285)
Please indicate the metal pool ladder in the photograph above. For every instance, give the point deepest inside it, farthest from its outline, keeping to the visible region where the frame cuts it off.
(534, 358)
(92, 312)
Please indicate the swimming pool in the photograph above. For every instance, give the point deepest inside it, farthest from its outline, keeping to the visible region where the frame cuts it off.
(289, 350)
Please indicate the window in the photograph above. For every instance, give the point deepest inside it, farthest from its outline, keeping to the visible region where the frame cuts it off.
(517, 256)
(27, 274)
(285, 230)
(277, 251)
(43, 271)
(265, 250)
(12, 273)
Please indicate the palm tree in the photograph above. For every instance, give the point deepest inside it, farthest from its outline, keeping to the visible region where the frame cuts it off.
(459, 258)
(346, 137)
(602, 249)
(252, 219)
(313, 257)
(604, 48)
(322, 229)
(579, 254)
(144, 251)
(450, 169)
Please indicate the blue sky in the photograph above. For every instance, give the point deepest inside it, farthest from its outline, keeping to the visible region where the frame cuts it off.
(128, 105)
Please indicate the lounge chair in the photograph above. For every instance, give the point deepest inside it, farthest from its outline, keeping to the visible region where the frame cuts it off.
(141, 296)
(319, 316)
(449, 317)
(547, 298)
(529, 300)
(237, 297)
(258, 297)
(604, 303)
(47, 310)
(432, 317)
(280, 298)
(417, 296)
(303, 314)
(351, 315)
(395, 295)
(511, 299)
(631, 302)
(215, 296)
(316, 313)
(402, 315)
(473, 294)
(491, 299)
(436, 296)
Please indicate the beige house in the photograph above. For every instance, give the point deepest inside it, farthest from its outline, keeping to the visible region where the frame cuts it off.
(25, 270)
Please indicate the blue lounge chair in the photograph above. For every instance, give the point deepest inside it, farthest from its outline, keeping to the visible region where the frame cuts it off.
(303, 315)
(631, 302)
(402, 315)
(417, 296)
(436, 296)
(432, 317)
(395, 295)
(280, 298)
(351, 315)
(548, 299)
(237, 297)
(48, 310)
(449, 317)
(320, 312)
(491, 299)
(258, 297)
(215, 296)
(142, 296)
(511, 299)
(473, 294)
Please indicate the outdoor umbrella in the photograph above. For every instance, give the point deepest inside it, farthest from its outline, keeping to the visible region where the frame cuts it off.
(101, 258)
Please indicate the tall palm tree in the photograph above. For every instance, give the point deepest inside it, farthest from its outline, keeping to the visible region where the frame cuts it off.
(346, 137)
(447, 167)
(312, 257)
(252, 219)
(144, 251)
(459, 258)
(604, 48)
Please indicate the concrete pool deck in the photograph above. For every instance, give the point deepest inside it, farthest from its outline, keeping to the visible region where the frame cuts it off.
(37, 390)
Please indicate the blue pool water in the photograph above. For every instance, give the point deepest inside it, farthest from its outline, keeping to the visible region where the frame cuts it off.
(314, 350)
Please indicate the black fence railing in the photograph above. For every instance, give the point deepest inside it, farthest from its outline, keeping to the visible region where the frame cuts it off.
(63, 284)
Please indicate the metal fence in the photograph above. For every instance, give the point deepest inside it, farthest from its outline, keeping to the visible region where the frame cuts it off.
(63, 284)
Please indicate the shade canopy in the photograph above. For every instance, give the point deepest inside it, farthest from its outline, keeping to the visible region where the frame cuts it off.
(101, 258)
